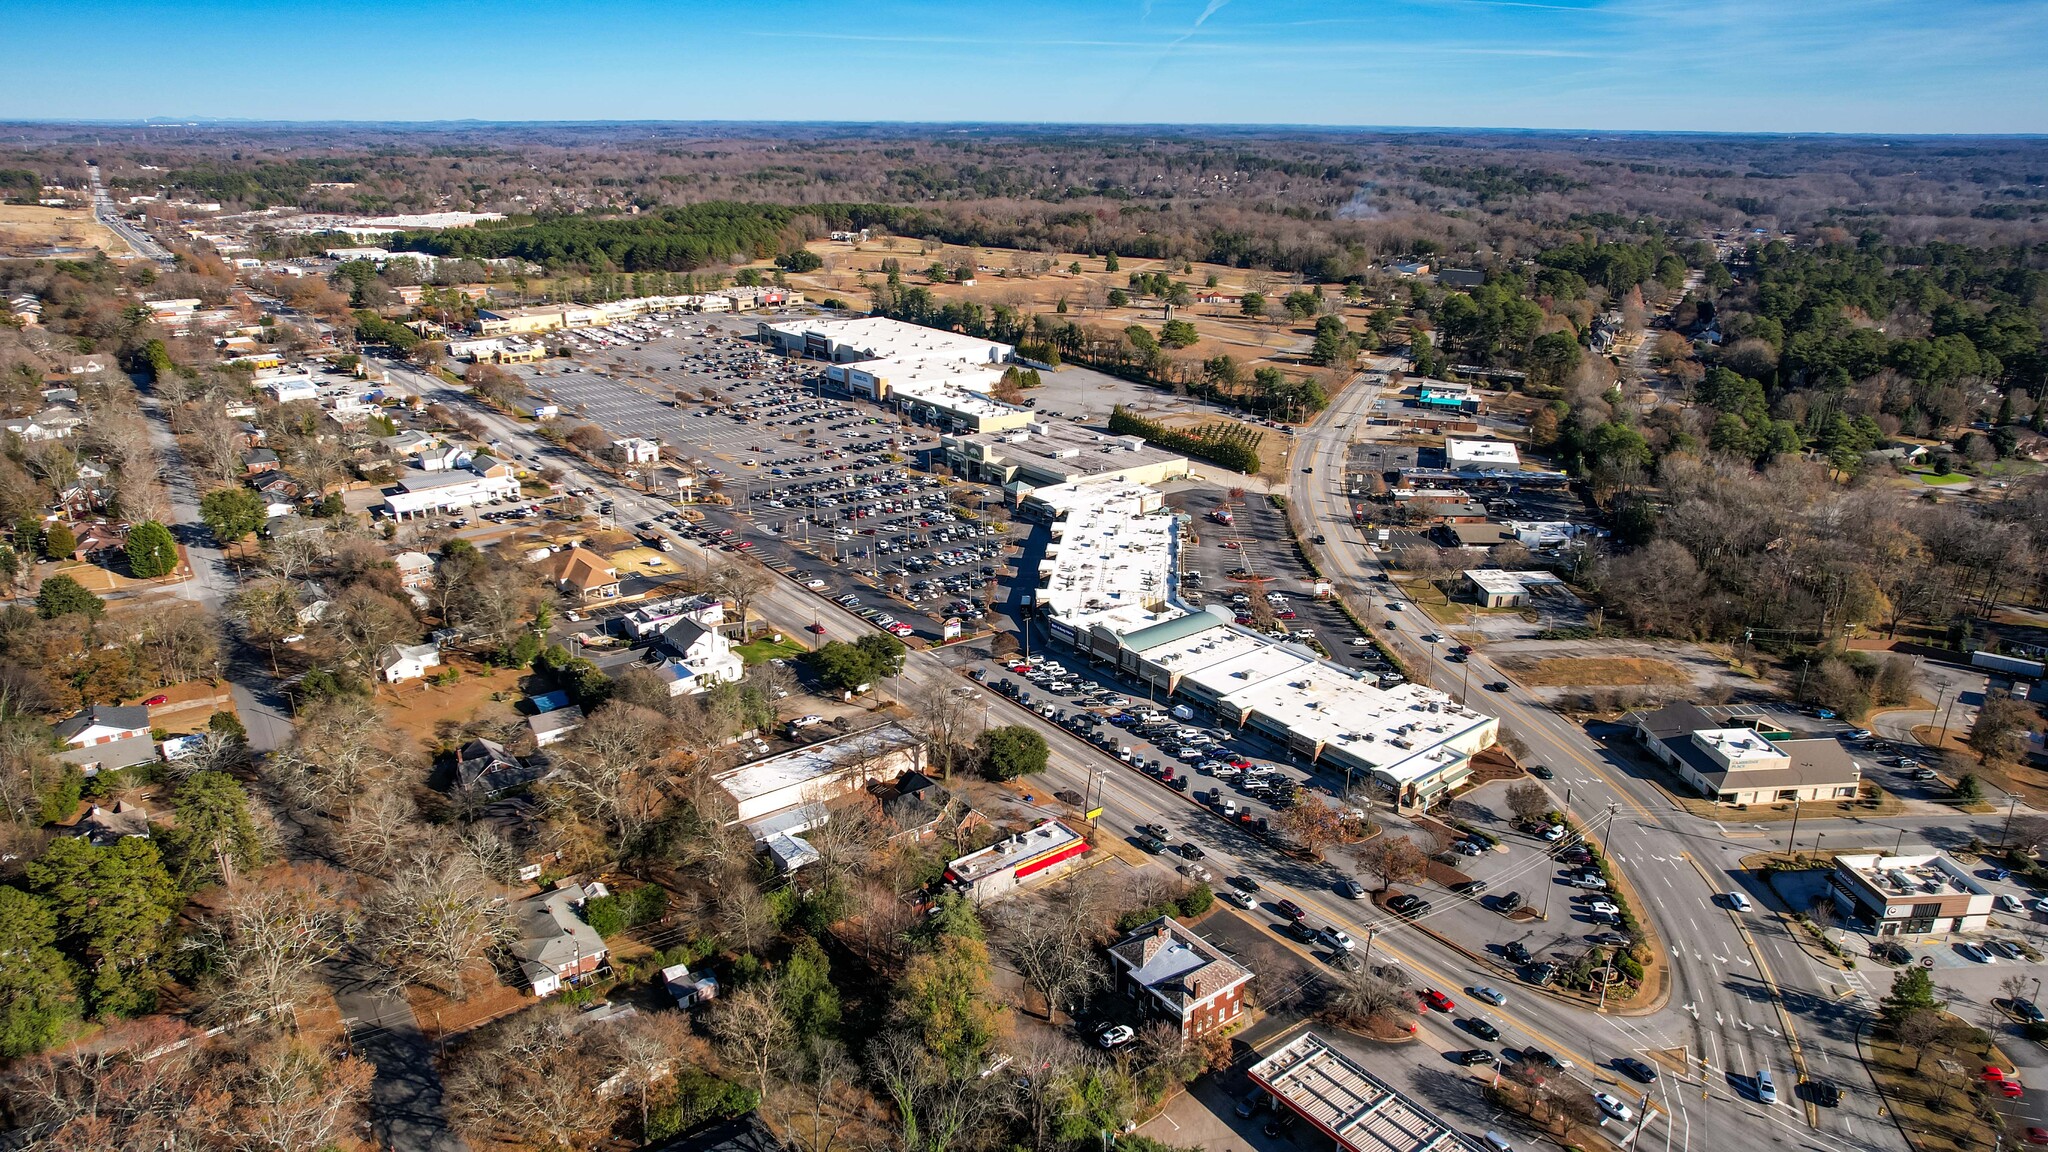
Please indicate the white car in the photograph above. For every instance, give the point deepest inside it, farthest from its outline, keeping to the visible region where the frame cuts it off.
(1738, 901)
(1339, 939)
(1603, 908)
(1553, 834)
(1614, 1107)
(2007, 902)
(1116, 1036)
(1977, 953)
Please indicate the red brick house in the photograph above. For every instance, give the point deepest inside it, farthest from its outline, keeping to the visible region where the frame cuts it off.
(1177, 976)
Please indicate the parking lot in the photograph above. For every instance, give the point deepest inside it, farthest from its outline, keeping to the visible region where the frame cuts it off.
(822, 486)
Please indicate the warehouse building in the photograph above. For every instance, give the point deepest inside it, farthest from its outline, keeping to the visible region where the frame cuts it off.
(788, 793)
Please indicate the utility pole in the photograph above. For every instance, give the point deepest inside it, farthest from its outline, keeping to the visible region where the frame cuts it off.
(2009, 810)
(1792, 839)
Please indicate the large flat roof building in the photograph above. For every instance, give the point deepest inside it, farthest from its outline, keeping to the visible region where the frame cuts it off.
(1051, 452)
(939, 375)
(800, 783)
(1106, 587)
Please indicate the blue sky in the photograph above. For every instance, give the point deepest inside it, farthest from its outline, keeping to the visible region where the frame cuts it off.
(1899, 66)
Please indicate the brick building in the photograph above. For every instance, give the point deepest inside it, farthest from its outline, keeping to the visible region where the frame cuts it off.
(1176, 976)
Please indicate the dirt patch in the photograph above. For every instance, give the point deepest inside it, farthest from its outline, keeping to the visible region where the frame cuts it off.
(31, 229)
(441, 1017)
(482, 696)
(1600, 671)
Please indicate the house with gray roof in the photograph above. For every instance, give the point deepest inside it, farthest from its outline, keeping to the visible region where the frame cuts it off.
(1179, 977)
(556, 946)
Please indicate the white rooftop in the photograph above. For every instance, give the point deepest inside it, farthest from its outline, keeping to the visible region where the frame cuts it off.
(1048, 836)
(1363, 1112)
(1501, 582)
(1108, 555)
(804, 764)
(1496, 452)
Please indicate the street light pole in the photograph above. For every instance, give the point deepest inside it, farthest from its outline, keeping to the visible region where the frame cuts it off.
(2009, 810)
(1792, 839)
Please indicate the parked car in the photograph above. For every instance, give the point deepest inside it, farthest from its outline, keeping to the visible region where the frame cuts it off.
(1975, 952)
(1116, 1036)
(1515, 952)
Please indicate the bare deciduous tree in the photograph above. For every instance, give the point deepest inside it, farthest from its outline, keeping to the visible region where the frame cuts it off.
(1393, 859)
(266, 939)
(437, 917)
(1051, 949)
(752, 1031)
(612, 772)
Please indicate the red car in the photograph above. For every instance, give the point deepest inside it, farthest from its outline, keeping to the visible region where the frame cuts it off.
(1438, 1000)
(1240, 763)
(818, 628)
(1290, 909)
(2037, 1135)
(155, 700)
(2010, 1089)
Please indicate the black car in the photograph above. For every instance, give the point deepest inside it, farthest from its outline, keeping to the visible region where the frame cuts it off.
(1469, 887)
(1825, 1093)
(1479, 1028)
(1508, 903)
(1245, 883)
(1190, 851)
(1471, 1056)
(1300, 930)
(1538, 1058)
(1637, 1070)
(1541, 772)
(1408, 905)
(1514, 951)
(1543, 974)
(1497, 686)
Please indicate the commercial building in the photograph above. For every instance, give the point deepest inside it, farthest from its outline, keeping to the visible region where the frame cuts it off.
(1050, 849)
(422, 493)
(1911, 892)
(934, 375)
(1050, 452)
(1481, 454)
(788, 793)
(1448, 396)
(1738, 756)
(1358, 1111)
(1499, 588)
(1106, 587)
(1179, 977)
(653, 619)
(695, 656)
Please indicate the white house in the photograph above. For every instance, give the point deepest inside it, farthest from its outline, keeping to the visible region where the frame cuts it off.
(408, 661)
(695, 657)
(442, 458)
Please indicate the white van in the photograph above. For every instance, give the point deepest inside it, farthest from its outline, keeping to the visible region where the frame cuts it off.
(1183, 712)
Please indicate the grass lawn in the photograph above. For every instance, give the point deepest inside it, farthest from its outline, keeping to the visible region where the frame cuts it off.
(1944, 478)
(1576, 671)
(768, 648)
(1933, 1105)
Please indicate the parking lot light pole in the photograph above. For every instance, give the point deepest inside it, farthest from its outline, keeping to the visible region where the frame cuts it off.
(2009, 810)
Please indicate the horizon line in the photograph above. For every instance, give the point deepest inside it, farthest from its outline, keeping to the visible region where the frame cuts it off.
(1241, 126)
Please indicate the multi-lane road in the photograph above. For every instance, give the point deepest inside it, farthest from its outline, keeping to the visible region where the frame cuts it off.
(103, 210)
(1744, 995)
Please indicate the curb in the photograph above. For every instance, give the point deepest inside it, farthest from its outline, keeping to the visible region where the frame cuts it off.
(1877, 1086)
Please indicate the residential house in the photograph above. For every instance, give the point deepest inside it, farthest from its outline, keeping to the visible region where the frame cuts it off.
(1179, 977)
(520, 823)
(583, 574)
(443, 458)
(485, 766)
(415, 569)
(747, 1133)
(410, 442)
(548, 701)
(916, 808)
(257, 461)
(399, 662)
(689, 988)
(106, 737)
(695, 656)
(556, 947)
(280, 493)
(97, 539)
(554, 726)
(105, 827)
